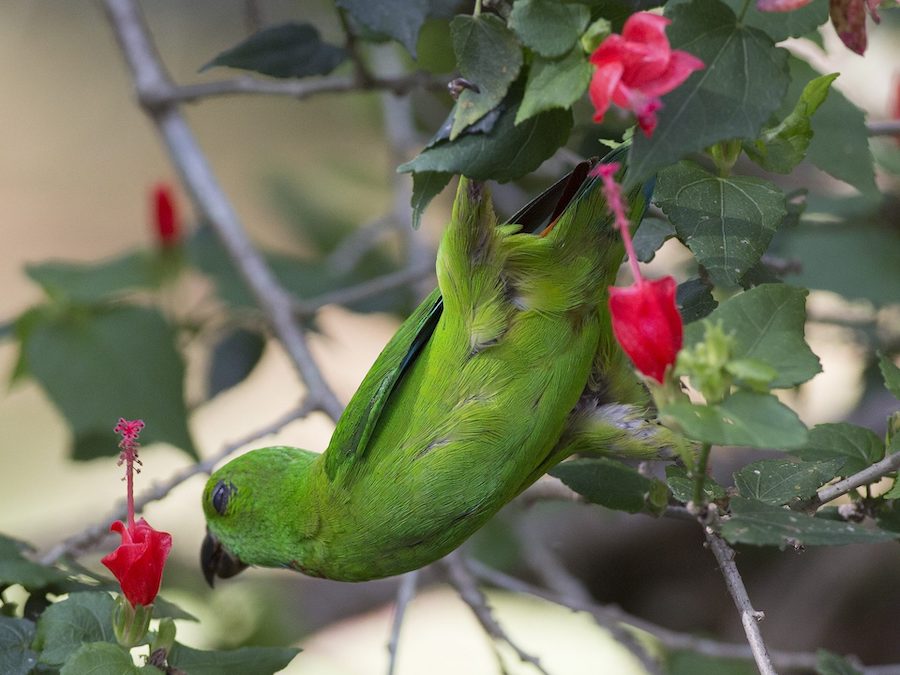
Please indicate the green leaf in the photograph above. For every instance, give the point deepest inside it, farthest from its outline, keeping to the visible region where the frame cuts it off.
(694, 299)
(727, 222)
(890, 373)
(243, 661)
(832, 664)
(15, 568)
(286, 50)
(753, 522)
(682, 486)
(650, 236)
(507, 152)
(745, 418)
(554, 84)
(99, 281)
(779, 481)
(888, 513)
(102, 658)
(782, 25)
(742, 84)
(489, 57)
(100, 365)
(426, 186)
(613, 485)
(233, 358)
(767, 323)
(857, 446)
(840, 143)
(549, 27)
(399, 19)
(16, 656)
(65, 626)
(784, 146)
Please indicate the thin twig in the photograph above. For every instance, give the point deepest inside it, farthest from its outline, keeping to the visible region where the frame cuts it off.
(870, 474)
(367, 289)
(156, 94)
(403, 142)
(405, 593)
(352, 248)
(301, 89)
(883, 127)
(673, 640)
(750, 618)
(467, 587)
(253, 16)
(556, 577)
(90, 536)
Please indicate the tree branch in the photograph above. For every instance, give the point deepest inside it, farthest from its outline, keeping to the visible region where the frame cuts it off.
(670, 639)
(466, 585)
(883, 127)
(301, 89)
(870, 474)
(750, 618)
(157, 96)
(367, 289)
(556, 577)
(89, 537)
(405, 593)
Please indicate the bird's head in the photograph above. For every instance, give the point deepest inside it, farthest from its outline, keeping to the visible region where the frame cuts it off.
(258, 509)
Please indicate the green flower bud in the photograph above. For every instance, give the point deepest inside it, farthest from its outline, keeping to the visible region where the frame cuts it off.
(130, 624)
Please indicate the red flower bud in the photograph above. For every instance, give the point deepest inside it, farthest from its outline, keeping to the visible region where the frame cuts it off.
(165, 216)
(139, 560)
(646, 322)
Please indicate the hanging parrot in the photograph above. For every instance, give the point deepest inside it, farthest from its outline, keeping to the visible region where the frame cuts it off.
(503, 371)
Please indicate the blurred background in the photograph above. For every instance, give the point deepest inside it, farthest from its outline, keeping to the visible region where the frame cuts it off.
(78, 163)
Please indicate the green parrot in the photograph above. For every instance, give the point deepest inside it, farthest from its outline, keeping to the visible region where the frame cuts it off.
(503, 371)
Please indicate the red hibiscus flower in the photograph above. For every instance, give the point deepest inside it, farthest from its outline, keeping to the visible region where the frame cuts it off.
(646, 323)
(139, 560)
(645, 318)
(637, 67)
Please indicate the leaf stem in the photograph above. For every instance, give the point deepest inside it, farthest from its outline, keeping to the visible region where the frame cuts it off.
(477, 11)
(700, 475)
(744, 9)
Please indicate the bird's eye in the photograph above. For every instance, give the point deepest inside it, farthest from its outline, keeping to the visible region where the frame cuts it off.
(220, 496)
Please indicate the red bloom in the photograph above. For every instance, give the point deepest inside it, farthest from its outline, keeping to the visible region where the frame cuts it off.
(165, 216)
(780, 5)
(647, 324)
(139, 560)
(637, 67)
(849, 19)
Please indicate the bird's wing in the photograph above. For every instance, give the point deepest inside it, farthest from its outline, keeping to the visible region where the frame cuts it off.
(357, 424)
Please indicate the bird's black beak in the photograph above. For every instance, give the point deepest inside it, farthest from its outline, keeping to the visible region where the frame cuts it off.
(216, 561)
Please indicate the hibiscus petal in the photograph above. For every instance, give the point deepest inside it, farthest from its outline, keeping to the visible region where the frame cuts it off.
(603, 83)
(780, 5)
(609, 51)
(648, 29)
(849, 19)
(680, 66)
